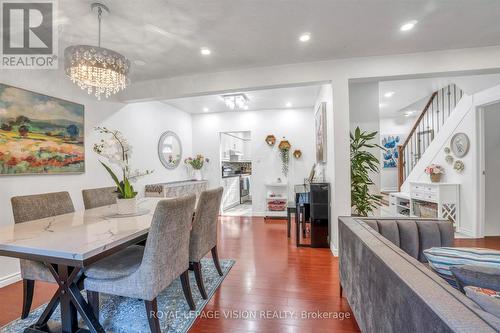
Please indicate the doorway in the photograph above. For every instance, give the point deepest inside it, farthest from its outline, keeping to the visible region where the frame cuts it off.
(236, 167)
(491, 153)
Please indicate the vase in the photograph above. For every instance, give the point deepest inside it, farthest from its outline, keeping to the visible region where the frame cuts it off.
(126, 206)
(435, 177)
(197, 174)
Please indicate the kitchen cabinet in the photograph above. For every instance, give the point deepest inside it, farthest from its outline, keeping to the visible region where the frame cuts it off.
(231, 195)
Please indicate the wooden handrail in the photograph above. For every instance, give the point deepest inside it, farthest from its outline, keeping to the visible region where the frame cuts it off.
(401, 148)
(408, 138)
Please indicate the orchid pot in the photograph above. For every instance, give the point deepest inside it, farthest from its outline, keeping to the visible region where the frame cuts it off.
(126, 206)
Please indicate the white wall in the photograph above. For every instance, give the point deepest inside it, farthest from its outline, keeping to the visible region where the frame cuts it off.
(325, 95)
(492, 165)
(142, 123)
(296, 125)
(364, 112)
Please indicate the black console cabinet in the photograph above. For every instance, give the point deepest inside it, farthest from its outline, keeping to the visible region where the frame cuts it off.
(319, 197)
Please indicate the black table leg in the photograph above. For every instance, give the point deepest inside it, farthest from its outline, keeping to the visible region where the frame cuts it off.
(71, 301)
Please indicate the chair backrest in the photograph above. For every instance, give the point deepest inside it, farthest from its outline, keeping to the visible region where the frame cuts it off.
(204, 231)
(166, 254)
(99, 197)
(39, 206)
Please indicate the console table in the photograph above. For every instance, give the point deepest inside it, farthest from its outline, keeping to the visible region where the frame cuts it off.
(176, 188)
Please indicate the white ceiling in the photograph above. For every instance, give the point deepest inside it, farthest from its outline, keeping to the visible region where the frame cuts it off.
(407, 92)
(268, 99)
(167, 34)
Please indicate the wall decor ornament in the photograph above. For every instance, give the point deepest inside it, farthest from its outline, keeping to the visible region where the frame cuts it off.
(297, 153)
(459, 166)
(170, 150)
(320, 132)
(460, 144)
(449, 159)
(40, 134)
(447, 150)
(284, 148)
(271, 140)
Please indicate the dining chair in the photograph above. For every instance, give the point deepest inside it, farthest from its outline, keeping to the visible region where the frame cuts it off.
(204, 234)
(34, 207)
(99, 197)
(143, 272)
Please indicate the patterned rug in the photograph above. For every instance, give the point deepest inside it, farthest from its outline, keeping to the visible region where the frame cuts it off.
(119, 314)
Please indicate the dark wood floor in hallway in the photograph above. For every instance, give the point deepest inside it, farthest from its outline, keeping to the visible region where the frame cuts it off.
(270, 274)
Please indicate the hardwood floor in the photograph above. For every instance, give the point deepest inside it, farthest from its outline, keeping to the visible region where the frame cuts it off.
(270, 274)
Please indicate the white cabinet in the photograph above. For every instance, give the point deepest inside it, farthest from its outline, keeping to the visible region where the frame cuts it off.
(399, 204)
(231, 195)
(436, 200)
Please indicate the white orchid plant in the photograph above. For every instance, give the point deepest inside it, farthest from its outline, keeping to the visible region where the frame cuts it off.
(118, 151)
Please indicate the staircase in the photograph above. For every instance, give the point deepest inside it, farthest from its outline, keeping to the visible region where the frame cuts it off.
(435, 113)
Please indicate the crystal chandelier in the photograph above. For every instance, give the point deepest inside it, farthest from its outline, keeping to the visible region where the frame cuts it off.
(99, 70)
(236, 101)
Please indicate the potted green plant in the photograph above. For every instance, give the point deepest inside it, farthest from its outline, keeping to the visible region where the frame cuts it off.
(118, 151)
(284, 148)
(363, 162)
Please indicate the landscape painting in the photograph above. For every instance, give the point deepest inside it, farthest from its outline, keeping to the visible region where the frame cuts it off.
(39, 134)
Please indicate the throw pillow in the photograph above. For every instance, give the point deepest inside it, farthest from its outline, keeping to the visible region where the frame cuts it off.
(477, 275)
(441, 259)
(487, 299)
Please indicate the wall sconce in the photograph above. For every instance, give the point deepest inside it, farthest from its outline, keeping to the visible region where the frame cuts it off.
(297, 153)
(271, 140)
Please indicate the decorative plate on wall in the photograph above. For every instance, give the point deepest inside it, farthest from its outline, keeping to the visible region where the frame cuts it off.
(460, 144)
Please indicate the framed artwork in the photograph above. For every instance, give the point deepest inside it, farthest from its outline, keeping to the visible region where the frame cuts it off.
(320, 132)
(390, 155)
(40, 134)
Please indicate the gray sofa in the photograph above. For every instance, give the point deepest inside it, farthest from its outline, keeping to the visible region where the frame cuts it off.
(385, 279)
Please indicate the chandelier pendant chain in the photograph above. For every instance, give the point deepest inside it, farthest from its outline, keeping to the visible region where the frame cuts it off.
(99, 17)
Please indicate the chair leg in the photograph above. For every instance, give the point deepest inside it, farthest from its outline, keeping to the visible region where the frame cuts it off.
(28, 289)
(186, 288)
(215, 256)
(199, 279)
(93, 300)
(152, 313)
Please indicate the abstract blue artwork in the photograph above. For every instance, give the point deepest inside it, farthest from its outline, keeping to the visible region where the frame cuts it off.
(390, 155)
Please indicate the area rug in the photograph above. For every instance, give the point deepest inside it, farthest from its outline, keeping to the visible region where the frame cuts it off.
(125, 315)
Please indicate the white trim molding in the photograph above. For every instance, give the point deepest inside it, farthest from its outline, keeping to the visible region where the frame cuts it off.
(10, 279)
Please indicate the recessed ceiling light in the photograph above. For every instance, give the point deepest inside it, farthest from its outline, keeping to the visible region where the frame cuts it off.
(288, 104)
(305, 37)
(408, 113)
(408, 25)
(205, 51)
(139, 62)
(205, 109)
(389, 94)
(381, 105)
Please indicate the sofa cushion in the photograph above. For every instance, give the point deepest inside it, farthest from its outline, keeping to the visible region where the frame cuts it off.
(477, 275)
(441, 259)
(487, 299)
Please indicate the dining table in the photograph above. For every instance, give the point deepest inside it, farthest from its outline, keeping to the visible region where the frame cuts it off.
(69, 243)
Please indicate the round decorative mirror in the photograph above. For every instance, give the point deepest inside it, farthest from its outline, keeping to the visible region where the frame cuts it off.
(170, 150)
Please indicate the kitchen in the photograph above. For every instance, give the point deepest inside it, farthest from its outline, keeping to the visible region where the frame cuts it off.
(236, 168)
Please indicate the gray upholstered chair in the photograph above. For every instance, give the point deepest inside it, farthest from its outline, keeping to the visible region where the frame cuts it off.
(34, 207)
(143, 272)
(99, 197)
(204, 234)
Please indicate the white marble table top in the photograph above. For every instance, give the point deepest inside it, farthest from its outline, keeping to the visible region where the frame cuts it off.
(75, 237)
